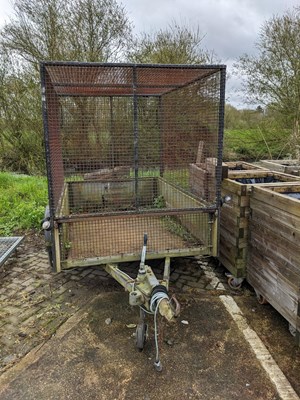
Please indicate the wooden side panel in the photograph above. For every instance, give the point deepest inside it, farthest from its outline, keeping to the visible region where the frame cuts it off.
(273, 267)
(234, 221)
(234, 228)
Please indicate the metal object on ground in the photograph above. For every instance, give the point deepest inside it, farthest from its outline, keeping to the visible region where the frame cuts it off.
(7, 246)
(120, 142)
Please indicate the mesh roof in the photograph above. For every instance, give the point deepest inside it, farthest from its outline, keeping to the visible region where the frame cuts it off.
(82, 79)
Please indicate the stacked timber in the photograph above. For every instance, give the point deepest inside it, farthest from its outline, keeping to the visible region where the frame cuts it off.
(287, 166)
(203, 175)
(234, 217)
(234, 166)
(274, 257)
(203, 179)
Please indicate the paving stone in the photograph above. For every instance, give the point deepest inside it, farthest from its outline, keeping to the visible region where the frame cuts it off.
(198, 273)
(25, 315)
(195, 284)
(221, 286)
(29, 289)
(209, 287)
(18, 282)
(60, 290)
(13, 274)
(214, 282)
(198, 290)
(100, 272)
(76, 278)
(182, 271)
(174, 275)
(13, 319)
(29, 281)
(74, 271)
(190, 279)
(13, 286)
(85, 272)
(10, 310)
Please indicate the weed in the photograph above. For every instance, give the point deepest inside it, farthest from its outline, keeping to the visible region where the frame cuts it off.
(175, 227)
(159, 202)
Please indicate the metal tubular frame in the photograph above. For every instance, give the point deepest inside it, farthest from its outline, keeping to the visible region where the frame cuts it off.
(171, 84)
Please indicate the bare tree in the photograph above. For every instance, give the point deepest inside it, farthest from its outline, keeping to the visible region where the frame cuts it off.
(85, 30)
(174, 45)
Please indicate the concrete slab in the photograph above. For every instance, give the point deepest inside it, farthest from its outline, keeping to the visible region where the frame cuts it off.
(88, 359)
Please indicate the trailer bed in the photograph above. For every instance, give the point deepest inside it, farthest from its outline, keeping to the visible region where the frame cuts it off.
(119, 236)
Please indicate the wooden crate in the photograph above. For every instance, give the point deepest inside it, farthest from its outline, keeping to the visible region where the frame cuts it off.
(287, 166)
(273, 267)
(234, 219)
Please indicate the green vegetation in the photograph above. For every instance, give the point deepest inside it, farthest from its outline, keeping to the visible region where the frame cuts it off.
(272, 77)
(23, 200)
(255, 134)
(255, 144)
(159, 202)
(174, 226)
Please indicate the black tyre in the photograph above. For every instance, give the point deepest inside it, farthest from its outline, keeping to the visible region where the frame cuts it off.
(141, 336)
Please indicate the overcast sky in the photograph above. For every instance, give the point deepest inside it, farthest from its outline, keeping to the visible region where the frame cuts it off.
(231, 27)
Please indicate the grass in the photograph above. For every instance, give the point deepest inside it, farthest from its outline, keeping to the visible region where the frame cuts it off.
(22, 202)
(254, 144)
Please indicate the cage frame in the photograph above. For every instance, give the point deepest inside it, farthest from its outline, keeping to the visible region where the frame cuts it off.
(211, 211)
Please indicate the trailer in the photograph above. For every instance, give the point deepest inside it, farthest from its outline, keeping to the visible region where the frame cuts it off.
(119, 140)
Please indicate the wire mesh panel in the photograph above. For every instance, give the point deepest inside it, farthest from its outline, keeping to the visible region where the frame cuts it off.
(132, 149)
(7, 246)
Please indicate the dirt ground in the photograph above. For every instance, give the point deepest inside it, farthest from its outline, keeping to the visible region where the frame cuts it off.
(206, 359)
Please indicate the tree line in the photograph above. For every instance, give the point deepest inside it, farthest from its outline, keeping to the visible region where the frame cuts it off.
(101, 31)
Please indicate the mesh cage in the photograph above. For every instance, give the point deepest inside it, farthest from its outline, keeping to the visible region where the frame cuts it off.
(132, 149)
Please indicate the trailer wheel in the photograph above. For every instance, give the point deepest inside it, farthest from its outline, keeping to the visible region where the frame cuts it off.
(260, 298)
(141, 336)
(233, 283)
(48, 238)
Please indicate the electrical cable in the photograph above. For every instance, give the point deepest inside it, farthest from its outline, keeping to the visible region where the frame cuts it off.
(155, 301)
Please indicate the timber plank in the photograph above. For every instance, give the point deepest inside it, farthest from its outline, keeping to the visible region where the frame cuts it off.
(277, 200)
